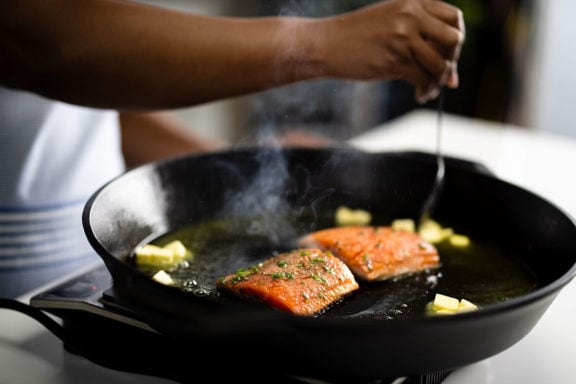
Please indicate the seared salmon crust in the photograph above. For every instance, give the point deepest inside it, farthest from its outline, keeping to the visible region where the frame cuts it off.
(376, 253)
(303, 281)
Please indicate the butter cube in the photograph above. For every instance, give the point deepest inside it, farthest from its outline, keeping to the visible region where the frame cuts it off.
(433, 232)
(153, 255)
(178, 249)
(466, 305)
(459, 241)
(407, 225)
(346, 216)
(443, 302)
(447, 305)
(163, 278)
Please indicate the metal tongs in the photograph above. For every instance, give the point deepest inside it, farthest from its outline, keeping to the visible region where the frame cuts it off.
(430, 202)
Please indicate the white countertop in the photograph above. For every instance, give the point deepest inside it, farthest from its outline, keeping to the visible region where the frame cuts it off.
(540, 162)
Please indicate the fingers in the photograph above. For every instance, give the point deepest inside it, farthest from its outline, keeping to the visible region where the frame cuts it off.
(431, 70)
(453, 79)
(447, 29)
(445, 12)
(418, 41)
(448, 38)
(439, 50)
(442, 69)
(426, 87)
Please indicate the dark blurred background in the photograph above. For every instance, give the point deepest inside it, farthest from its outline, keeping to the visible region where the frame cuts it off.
(493, 68)
(498, 36)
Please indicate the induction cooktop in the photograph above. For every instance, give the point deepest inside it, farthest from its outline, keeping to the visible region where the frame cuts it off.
(97, 326)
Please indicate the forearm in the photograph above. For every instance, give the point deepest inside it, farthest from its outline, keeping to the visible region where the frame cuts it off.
(161, 59)
(123, 55)
(154, 136)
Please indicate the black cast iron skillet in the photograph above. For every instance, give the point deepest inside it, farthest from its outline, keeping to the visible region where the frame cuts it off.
(360, 339)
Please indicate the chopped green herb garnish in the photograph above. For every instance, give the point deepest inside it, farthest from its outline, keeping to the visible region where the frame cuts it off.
(242, 274)
(281, 275)
(277, 275)
(318, 278)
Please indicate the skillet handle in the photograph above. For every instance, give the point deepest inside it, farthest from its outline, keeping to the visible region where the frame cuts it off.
(468, 165)
(454, 162)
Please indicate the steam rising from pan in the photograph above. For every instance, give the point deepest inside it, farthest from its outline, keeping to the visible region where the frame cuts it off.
(324, 106)
(263, 198)
(313, 104)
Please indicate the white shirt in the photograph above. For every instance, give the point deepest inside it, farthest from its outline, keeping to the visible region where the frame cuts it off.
(53, 156)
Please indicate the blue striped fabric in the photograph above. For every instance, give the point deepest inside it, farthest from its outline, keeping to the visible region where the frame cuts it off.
(40, 245)
(33, 238)
(53, 156)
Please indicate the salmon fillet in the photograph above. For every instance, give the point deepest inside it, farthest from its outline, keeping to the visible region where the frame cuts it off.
(376, 253)
(303, 281)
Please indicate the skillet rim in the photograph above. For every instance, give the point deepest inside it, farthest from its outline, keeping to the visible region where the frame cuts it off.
(550, 289)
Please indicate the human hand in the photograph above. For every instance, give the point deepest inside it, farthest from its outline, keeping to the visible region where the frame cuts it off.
(415, 40)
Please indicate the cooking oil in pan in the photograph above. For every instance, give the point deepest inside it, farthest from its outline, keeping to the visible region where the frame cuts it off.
(481, 272)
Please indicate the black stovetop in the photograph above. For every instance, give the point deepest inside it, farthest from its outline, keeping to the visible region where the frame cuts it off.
(98, 327)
